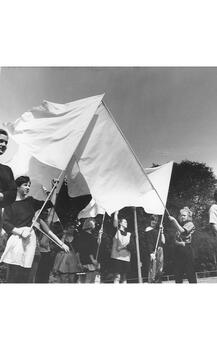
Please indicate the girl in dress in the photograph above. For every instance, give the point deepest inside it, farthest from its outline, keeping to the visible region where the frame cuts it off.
(67, 265)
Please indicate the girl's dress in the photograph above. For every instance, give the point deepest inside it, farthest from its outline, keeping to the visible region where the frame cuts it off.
(67, 263)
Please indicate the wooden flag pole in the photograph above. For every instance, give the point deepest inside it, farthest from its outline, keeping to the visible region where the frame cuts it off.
(137, 246)
(47, 199)
(100, 236)
(137, 159)
(159, 233)
(44, 233)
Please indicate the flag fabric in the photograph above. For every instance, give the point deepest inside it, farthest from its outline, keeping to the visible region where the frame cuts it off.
(81, 134)
(46, 138)
(91, 210)
(160, 178)
(51, 132)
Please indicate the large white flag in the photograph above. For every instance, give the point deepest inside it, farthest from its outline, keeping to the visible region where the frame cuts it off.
(160, 178)
(52, 133)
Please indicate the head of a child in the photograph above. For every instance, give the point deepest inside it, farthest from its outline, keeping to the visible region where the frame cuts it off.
(89, 224)
(69, 230)
(23, 185)
(153, 221)
(122, 224)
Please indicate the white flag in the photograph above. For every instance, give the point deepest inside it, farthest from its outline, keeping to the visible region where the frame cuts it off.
(52, 133)
(160, 178)
(91, 210)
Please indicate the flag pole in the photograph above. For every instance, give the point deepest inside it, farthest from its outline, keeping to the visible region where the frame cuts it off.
(137, 246)
(137, 159)
(44, 233)
(100, 236)
(159, 233)
(47, 199)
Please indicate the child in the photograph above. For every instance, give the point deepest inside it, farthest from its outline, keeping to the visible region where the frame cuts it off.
(66, 265)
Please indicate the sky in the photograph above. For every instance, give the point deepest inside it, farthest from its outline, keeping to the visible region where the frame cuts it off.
(165, 113)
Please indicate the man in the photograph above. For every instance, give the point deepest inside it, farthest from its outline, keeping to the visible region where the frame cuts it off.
(213, 215)
(8, 189)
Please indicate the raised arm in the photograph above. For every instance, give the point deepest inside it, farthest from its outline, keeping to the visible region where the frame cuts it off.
(115, 221)
(175, 223)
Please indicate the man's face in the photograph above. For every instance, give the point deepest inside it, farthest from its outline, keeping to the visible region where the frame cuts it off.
(3, 143)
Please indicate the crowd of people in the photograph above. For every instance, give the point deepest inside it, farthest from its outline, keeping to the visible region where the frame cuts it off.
(37, 249)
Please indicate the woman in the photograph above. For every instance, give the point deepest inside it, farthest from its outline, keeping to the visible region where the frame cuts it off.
(120, 250)
(184, 262)
(21, 245)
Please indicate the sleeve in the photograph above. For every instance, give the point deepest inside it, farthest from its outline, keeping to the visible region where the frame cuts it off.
(8, 219)
(213, 215)
(11, 192)
(38, 204)
(189, 228)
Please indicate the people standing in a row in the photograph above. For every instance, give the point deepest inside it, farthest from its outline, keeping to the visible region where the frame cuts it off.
(184, 261)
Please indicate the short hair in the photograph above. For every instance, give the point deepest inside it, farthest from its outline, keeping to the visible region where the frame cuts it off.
(121, 219)
(22, 180)
(215, 195)
(188, 211)
(3, 132)
(88, 223)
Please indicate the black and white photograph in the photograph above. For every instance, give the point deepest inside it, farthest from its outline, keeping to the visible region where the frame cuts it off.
(108, 175)
(103, 176)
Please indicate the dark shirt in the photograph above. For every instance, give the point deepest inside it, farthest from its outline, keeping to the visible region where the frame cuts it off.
(86, 246)
(7, 186)
(152, 236)
(20, 213)
(186, 236)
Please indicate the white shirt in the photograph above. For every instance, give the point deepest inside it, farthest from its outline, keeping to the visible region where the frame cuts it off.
(213, 214)
(119, 241)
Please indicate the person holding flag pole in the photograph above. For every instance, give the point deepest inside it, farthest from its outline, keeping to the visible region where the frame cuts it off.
(120, 253)
(21, 245)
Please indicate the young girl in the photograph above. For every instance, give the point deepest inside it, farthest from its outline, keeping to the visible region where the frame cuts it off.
(66, 265)
(120, 254)
(21, 245)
